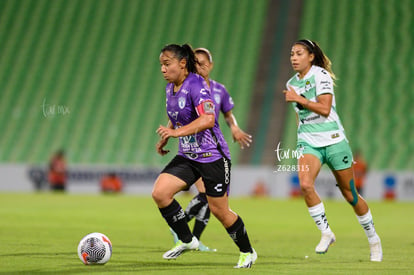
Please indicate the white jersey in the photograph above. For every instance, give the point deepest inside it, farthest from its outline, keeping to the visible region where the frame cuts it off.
(313, 128)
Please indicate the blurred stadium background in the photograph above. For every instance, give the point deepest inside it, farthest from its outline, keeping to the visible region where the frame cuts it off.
(84, 76)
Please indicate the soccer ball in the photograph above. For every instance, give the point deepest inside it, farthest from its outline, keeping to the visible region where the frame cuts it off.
(95, 248)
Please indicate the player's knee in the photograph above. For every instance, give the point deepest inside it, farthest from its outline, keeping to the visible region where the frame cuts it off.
(352, 200)
(156, 196)
(215, 209)
(349, 197)
(307, 187)
(159, 196)
(219, 212)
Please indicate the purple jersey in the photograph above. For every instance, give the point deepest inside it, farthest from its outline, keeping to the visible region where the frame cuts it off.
(205, 146)
(221, 98)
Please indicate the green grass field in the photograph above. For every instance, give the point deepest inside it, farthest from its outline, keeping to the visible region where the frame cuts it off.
(39, 233)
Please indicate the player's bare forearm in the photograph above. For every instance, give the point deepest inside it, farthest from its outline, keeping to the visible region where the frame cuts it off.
(239, 135)
(230, 119)
(322, 106)
(203, 122)
(160, 147)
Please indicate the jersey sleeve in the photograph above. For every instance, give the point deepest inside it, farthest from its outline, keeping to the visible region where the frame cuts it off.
(227, 103)
(324, 83)
(201, 99)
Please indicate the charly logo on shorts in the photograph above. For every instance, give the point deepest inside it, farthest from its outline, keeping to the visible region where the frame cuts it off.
(181, 102)
(345, 160)
(219, 187)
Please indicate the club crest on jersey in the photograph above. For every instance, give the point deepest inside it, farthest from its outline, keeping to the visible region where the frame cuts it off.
(217, 98)
(181, 102)
(308, 86)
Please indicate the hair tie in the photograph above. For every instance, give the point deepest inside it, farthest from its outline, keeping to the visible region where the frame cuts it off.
(204, 50)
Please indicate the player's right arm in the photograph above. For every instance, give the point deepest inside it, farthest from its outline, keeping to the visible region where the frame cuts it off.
(163, 142)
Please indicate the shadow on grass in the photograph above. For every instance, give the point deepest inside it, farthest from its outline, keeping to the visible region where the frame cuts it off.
(135, 267)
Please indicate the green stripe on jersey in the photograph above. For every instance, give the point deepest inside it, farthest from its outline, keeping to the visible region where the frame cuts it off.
(318, 127)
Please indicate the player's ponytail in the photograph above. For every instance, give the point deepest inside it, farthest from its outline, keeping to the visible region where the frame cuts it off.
(190, 57)
(320, 59)
(183, 52)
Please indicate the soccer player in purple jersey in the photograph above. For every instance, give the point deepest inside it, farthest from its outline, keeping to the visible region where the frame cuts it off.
(198, 206)
(202, 152)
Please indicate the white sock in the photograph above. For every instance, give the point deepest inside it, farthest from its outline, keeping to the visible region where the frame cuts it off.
(367, 223)
(317, 213)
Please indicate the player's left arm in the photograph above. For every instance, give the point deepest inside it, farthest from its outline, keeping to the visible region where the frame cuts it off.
(239, 135)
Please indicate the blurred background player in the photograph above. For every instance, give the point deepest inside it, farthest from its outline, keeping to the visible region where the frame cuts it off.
(360, 171)
(111, 183)
(57, 171)
(198, 206)
(322, 139)
(202, 152)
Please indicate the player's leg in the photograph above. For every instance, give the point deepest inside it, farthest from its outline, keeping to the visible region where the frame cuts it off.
(310, 166)
(340, 160)
(235, 228)
(346, 185)
(176, 176)
(198, 209)
(216, 177)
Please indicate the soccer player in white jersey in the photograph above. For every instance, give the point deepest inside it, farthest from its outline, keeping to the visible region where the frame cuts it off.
(321, 139)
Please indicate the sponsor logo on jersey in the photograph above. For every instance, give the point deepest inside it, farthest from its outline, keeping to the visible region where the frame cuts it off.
(191, 155)
(326, 85)
(174, 115)
(303, 120)
(336, 135)
(207, 154)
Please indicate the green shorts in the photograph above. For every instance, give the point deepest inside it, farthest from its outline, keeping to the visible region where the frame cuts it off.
(338, 156)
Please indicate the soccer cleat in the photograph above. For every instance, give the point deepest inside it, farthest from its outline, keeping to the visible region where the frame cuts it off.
(326, 240)
(246, 260)
(376, 251)
(179, 248)
(203, 248)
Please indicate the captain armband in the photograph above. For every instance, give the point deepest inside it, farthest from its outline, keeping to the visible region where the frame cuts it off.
(206, 107)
